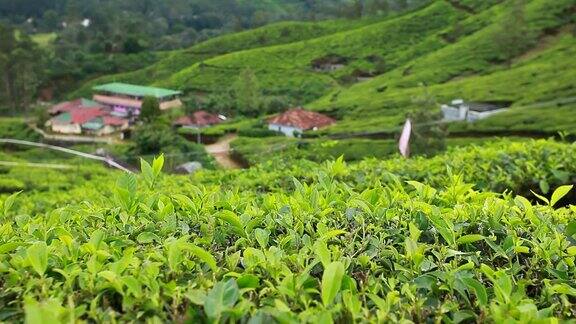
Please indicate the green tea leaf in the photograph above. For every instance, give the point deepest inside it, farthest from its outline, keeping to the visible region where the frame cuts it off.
(203, 255)
(9, 247)
(233, 220)
(479, 290)
(147, 237)
(37, 255)
(9, 202)
(544, 199)
(157, 165)
(221, 298)
(544, 186)
(559, 193)
(444, 227)
(322, 252)
(248, 281)
(466, 239)
(331, 281)
(262, 236)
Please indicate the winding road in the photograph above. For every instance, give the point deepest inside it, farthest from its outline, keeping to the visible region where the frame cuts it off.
(221, 152)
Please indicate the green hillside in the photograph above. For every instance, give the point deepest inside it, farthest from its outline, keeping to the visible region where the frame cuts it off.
(279, 33)
(448, 49)
(447, 45)
(287, 69)
(471, 68)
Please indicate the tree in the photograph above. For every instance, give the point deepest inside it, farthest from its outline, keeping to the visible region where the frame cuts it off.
(429, 137)
(21, 69)
(513, 37)
(247, 93)
(150, 109)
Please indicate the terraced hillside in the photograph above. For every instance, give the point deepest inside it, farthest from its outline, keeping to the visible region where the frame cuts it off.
(366, 73)
(275, 34)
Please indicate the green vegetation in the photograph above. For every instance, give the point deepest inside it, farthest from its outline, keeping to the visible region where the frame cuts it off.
(283, 244)
(150, 109)
(271, 35)
(157, 137)
(469, 68)
(546, 120)
(454, 48)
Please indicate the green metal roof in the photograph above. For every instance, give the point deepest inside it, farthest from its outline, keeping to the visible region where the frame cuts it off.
(94, 124)
(64, 117)
(136, 90)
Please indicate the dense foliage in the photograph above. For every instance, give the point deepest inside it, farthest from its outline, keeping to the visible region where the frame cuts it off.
(344, 243)
(21, 71)
(153, 138)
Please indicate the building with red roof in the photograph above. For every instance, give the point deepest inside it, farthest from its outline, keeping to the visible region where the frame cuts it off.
(198, 119)
(74, 104)
(95, 120)
(296, 121)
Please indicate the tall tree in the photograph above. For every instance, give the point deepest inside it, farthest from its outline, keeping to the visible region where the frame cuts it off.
(21, 69)
(150, 109)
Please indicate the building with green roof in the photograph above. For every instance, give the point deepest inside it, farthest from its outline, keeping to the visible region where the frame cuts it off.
(136, 90)
(126, 99)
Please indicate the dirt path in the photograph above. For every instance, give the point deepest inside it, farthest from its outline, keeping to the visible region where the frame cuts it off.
(221, 152)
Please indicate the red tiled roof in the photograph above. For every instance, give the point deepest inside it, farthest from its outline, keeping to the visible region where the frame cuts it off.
(302, 119)
(83, 115)
(199, 118)
(114, 121)
(65, 106)
(74, 104)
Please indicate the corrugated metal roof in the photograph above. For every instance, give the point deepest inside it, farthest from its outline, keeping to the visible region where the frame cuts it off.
(136, 90)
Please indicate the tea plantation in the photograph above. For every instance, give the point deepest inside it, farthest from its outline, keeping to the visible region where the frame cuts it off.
(456, 238)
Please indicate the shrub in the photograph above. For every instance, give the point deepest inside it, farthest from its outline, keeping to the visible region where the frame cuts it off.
(155, 138)
(329, 246)
(257, 132)
(11, 185)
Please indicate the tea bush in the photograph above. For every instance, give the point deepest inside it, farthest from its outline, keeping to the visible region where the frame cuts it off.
(311, 242)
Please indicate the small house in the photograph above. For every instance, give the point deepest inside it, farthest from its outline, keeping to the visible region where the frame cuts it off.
(71, 122)
(472, 111)
(295, 121)
(199, 119)
(126, 100)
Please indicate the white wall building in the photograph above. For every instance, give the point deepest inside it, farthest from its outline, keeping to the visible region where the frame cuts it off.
(295, 121)
(471, 111)
(289, 131)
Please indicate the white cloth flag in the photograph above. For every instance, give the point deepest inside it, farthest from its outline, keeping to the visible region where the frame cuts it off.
(404, 143)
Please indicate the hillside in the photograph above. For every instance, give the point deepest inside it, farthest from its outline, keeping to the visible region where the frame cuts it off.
(175, 61)
(447, 45)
